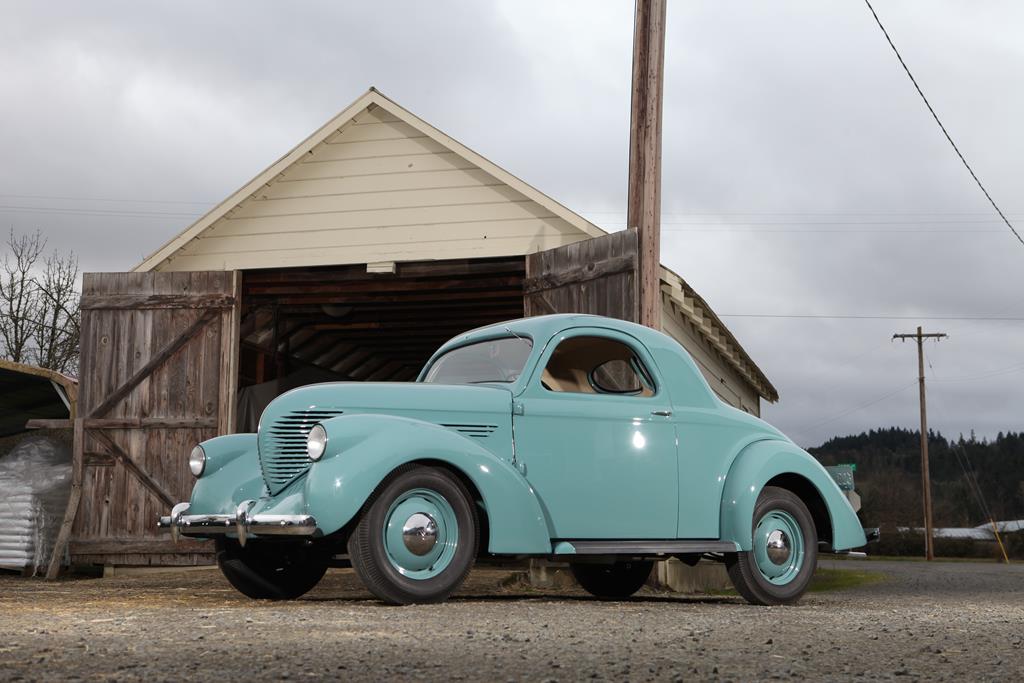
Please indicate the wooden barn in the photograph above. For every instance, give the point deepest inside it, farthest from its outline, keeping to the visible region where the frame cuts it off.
(350, 258)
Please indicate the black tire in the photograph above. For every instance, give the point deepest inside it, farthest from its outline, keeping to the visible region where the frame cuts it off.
(369, 554)
(617, 581)
(749, 580)
(271, 570)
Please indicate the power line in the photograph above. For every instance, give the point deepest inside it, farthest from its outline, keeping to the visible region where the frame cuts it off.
(102, 199)
(860, 406)
(928, 222)
(95, 212)
(806, 213)
(985, 375)
(862, 317)
(773, 231)
(942, 127)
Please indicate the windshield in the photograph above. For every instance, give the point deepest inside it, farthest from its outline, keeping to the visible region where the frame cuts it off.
(495, 360)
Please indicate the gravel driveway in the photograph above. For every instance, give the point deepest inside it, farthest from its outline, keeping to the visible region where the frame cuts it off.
(939, 621)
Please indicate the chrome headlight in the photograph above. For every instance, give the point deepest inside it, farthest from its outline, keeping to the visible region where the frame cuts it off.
(316, 442)
(197, 461)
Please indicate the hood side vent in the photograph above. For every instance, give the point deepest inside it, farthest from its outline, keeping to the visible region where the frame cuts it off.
(474, 430)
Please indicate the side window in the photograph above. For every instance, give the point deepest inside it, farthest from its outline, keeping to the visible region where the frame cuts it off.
(596, 365)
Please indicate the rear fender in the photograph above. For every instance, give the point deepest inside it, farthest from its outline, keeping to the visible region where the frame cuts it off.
(362, 450)
(762, 461)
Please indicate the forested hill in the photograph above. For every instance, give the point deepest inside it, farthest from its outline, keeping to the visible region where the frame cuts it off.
(889, 475)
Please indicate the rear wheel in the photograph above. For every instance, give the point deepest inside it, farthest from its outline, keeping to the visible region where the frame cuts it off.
(417, 539)
(619, 580)
(271, 570)
(781, 563)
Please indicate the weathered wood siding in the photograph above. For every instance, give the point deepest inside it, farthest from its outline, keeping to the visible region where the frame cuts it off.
(157, 376)
(376, 190)
(724, 380)
(595, 276)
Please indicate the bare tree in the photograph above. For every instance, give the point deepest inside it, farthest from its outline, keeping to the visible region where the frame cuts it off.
(57, 322)
(18, 297)
(39, 316)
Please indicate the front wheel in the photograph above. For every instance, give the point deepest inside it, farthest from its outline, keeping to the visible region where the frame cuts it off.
(779, 567)
(619, 580)
(417, 539)
(269, 570)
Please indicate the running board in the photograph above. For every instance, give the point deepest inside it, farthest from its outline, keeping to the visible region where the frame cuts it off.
(642, 547)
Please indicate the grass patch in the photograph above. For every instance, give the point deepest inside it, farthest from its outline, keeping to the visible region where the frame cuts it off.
(842, 579)
(907, 558)
(826, 580)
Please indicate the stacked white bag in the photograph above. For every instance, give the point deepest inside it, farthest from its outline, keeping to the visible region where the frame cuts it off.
(35, 482)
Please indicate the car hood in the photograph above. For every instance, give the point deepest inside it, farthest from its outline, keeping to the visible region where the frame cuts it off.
(481, 413)
(398, 398)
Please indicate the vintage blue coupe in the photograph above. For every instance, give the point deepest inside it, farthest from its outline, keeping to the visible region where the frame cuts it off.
(575, 438)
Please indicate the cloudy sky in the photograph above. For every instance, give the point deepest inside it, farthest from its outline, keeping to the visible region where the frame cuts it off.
(802, 174)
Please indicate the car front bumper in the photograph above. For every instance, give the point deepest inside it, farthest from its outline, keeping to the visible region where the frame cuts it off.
(241, 524)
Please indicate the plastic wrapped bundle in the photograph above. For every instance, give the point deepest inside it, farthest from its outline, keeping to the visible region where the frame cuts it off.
(35, 482)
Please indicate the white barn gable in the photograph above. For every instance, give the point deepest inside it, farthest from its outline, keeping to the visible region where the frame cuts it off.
(374, 184)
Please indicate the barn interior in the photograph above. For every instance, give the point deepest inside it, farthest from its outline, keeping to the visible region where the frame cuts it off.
(377, 323)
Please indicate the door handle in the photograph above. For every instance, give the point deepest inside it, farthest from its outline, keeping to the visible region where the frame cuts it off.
(662, 413)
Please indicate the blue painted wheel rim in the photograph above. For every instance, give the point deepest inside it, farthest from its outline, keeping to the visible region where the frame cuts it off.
(436, 560)
(768, 528)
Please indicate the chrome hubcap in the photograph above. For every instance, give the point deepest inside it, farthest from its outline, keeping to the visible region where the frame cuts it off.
(777, 547)
(419, 533)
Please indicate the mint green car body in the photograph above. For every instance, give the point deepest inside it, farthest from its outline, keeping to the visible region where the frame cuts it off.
(547, 468)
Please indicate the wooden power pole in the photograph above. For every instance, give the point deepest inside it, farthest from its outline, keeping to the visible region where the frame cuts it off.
(926, 480)
(644, 199)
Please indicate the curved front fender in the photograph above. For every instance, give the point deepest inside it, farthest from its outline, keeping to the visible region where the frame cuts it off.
(363, 449)
(758, 464)
(232, 474)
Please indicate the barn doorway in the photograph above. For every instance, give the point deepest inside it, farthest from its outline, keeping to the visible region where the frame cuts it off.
(345, 323)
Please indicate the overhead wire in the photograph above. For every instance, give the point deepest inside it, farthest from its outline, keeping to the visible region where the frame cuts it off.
(806, 431)
(810, 316)
(962, 457)
(935, 116)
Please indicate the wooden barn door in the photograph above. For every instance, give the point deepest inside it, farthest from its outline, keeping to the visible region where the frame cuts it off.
(598, 276)
(158, 375)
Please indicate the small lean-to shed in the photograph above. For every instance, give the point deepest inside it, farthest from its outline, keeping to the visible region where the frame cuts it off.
(352, 258)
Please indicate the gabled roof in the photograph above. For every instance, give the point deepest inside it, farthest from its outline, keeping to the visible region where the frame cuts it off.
(371, 98)
(549, 224)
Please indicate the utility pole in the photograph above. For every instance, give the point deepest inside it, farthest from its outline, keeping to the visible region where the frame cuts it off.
(926, 480)
(643, 212)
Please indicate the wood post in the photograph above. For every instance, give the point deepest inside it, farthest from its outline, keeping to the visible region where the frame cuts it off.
(644, 199)
(77, 456)
(926, 480)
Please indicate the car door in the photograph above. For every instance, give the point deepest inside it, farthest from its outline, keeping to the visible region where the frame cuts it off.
(594, 431)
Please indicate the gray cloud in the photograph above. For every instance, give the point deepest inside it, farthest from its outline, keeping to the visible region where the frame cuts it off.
(793, 114)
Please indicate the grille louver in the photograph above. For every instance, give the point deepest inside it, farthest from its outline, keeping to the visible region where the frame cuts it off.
(475, 431)
(282, 445)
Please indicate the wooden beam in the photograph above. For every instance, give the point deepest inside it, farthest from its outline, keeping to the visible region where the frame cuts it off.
(588, 271)
(128, 423)
(135, 546)
(154, 301)
(77, 458)
(145, 477)
(39, 423)
(644, 196)
(156, 361)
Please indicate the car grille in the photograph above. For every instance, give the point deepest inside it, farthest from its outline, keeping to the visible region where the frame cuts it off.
(282, 445)
(475, 431)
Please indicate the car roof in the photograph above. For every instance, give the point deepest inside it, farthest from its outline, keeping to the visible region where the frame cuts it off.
(542, 327)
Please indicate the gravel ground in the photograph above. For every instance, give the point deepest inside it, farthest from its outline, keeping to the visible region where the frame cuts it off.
(948, 620)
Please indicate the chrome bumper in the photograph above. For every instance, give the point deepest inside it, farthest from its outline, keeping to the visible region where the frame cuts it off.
(241, 523)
